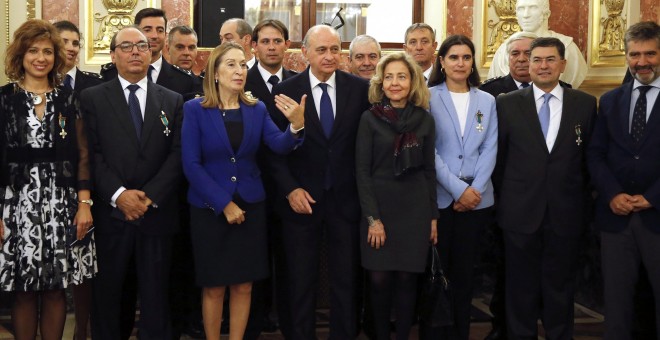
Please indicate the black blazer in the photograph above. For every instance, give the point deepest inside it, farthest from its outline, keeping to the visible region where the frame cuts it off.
(499, 85)
(619, 165)
(256, 85)
(306, 166)
(171, 77)
(86, 79)
(505, 84)
(152, 164)
(531, 181)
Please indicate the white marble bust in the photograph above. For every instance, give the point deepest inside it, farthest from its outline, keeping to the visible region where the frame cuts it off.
(533, 17)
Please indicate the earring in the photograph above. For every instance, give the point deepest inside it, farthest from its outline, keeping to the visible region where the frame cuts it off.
(216, 80)
(442, 70)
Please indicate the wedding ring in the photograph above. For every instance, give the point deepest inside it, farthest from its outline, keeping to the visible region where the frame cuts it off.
(286, 107)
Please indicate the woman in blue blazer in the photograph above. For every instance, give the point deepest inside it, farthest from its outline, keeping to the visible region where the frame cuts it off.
(221, 134)
(466, 146)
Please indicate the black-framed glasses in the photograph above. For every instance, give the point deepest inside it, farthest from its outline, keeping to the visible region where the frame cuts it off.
(127, 47)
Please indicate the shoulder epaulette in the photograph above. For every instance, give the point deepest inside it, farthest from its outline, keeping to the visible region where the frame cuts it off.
(491, 80)
(107, 67)
(186, 72)
(92, 74)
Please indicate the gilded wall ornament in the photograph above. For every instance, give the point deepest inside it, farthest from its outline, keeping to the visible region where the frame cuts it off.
(118, 17)
(503, 29)
(614, 27)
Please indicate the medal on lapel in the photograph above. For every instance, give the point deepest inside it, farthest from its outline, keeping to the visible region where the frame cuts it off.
(578, 133)
(62, 121)
(480, 118)
(166, 123)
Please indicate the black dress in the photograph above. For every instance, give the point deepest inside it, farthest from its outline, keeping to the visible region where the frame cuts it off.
(39, 178)
(227, 254)
(405, 204)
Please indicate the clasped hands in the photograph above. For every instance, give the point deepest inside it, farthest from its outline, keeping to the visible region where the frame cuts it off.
(623, 204)
(133, 204)
(293, 111)
(470, 199)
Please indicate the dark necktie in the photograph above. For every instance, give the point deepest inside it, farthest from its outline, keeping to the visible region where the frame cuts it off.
(524, 84)
(151, 68)
(544, 114)
(273, 80)
(134, 107)
(639, 115)
(67, 82)
(326, 115)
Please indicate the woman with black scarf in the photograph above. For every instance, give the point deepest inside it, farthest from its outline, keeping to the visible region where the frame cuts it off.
(395, 161)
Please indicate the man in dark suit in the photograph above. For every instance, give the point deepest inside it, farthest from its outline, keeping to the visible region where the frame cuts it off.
(317, 188)
(518, 49)
(542, 182)
(134, 134)
(623, 161)
(270, 40)
(153, 22)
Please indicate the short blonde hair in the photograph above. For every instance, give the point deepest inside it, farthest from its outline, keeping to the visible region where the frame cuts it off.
(419, 93)
(211, 89)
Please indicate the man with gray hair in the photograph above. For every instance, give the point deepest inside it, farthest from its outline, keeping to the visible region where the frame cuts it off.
(419, 43)
(318, 189)
(533, 17)
(623, 162)
(239, 31)
(363, 56)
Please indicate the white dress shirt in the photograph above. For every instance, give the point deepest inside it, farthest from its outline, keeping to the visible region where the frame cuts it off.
(317, 92)
(72, 73)
(556, 102)
(251, 62)
(265, 74)
(158, 65)
(141, 95)
(651, 96)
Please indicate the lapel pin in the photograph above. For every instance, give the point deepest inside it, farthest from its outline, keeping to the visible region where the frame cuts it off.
(578, 133)
(166, 123)
(480, 118)
(62, 121)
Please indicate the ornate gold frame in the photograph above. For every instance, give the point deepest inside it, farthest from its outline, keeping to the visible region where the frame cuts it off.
(599, 58)
(93, 56)
(508, 26)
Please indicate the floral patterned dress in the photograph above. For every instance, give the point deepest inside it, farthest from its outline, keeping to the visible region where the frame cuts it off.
(36, 207)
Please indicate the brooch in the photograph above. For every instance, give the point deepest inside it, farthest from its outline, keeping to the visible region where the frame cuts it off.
(62, 121)
(578, 133)
(480, 118)
(166, 123)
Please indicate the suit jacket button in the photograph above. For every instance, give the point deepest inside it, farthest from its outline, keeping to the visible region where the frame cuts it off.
(636, 156)
(233, 160)
(460, 156)
(233, 178)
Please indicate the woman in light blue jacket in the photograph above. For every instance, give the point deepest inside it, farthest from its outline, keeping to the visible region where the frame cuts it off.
(466, 148)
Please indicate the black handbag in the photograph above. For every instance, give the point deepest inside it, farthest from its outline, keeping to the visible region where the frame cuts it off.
(434, 302)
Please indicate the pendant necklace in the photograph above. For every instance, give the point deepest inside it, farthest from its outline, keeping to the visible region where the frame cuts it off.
(36, 97)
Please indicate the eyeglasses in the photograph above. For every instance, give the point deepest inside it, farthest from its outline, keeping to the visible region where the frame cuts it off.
(127, 47)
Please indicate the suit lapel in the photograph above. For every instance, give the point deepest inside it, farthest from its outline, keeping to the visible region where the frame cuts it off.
(528, 110)
(566, 118)
(247, 112)
(311, 115)
(473, 106)
(152, 112)
(119, 106)
(342, 93)
(652, 122)
(624, 115)
(215, 116)
(451, 110)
